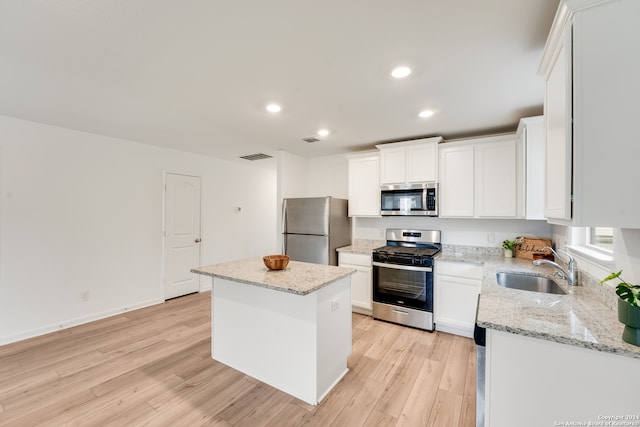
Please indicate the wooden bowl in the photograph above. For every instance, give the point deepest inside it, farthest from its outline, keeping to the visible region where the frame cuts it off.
(275, 262)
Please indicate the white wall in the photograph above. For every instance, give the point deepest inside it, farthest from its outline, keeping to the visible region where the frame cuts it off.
(293, 176)
(313, 177)
(83, 212)
(328, 176)
(467, 232)
(626, 254)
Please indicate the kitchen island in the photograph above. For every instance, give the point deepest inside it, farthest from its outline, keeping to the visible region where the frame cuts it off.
(288, 328)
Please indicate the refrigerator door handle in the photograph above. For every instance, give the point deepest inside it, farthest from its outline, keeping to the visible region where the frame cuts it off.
(284, 226)
(284, 244)
(284, 216)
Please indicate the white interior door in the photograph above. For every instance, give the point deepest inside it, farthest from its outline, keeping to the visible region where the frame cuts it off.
(182, 235)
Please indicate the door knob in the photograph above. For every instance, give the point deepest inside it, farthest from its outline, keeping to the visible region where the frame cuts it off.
(198, 240)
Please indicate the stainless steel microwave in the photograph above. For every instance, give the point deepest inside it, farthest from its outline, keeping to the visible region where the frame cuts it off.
(409, 199)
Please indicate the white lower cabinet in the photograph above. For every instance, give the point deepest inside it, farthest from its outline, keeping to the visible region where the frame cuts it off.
(361, 281)
(456, 290)
(532, 382)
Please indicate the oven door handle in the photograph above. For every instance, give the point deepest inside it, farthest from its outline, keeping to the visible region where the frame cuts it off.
(401, 267)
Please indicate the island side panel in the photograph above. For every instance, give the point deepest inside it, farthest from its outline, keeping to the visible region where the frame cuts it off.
(334, 333)
(267, 334)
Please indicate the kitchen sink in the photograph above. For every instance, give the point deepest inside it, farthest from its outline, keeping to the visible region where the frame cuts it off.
(528, 282)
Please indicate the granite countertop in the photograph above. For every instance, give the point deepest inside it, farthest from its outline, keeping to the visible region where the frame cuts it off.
(299, 278)
(582, 317)
(585, 317)
(363, 246)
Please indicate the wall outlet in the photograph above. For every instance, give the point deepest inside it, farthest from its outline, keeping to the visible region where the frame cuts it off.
(84, 296)
(491, 237)
(335, 304)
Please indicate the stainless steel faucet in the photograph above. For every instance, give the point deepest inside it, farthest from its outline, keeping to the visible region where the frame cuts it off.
(570, 273)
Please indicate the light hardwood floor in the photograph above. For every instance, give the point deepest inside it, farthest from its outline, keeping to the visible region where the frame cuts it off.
(153, 367)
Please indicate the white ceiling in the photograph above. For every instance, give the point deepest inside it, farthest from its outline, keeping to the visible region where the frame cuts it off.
(196, 74)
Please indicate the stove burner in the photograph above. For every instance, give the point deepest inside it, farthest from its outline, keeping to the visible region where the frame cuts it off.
(407, 251)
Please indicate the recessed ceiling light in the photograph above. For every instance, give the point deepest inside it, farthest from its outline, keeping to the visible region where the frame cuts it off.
(323, 132)
(426, 113)
(273, 108)
(401, 72)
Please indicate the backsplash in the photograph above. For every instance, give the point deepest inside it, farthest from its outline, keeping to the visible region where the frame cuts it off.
(471, 250)
(368, 243)
(605, 294)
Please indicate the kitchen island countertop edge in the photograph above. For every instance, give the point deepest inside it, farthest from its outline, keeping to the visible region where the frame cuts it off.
(299, 278)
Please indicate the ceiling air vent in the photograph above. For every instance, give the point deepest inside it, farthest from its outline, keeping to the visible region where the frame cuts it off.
(258, 156)
(310, 139)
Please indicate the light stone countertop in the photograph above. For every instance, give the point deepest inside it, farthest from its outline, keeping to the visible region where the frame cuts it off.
(582, 318)
(585, 317)
(363, 246)
(299, 278)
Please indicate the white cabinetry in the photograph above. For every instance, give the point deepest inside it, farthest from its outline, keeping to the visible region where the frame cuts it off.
(457, 286)
(496, 178)
(478, 178)
(521, 373)
(409, 161)
(591, 98)
(558, 152)
(364, 187)
(361, 281)
(530, 173)
(456, 195)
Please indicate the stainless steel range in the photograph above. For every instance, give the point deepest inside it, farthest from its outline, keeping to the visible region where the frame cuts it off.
(403, 277)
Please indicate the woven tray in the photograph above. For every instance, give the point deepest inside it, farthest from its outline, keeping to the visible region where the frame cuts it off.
(531, 245)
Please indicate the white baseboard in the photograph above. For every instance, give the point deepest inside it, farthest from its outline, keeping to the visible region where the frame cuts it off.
(361, 310)
(69, 323)
(456, 330)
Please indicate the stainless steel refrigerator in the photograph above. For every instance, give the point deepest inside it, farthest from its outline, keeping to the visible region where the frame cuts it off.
(314, 227)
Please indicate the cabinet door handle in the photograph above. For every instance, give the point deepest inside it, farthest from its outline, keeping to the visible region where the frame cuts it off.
(198, 240)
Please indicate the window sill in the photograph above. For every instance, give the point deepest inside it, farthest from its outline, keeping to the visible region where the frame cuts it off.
(596, 257)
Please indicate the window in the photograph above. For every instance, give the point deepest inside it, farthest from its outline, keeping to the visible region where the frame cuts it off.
(600, 237)
(594, 244)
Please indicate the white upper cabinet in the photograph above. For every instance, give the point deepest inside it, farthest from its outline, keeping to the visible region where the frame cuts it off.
(409, 161)
(557, 159)
(422, 162)
(478, 178)
(496, 179)
(364, 187)
(530, 173)
(591, 70)
(456, 194)
(393, 165)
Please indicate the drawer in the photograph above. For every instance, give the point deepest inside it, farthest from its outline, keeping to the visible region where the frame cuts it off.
(354, 259)
(459, 269)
